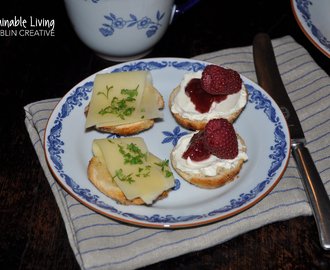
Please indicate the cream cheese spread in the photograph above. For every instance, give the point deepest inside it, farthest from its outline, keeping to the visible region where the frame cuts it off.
(208, 166)
(183, 106)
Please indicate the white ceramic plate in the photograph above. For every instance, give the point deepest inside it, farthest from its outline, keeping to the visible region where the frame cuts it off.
(68, 149)
(314, 20)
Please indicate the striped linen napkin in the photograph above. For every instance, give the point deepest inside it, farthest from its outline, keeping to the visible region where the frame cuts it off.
(99, 242)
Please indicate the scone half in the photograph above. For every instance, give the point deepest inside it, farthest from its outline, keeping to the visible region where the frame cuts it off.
(100, 176)
(199, 124)
(134, 127)
(222, 177)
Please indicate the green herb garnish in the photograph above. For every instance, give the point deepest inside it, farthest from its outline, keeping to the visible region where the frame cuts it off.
(164, 164)
(133, 155)
(168, 174)
(147, 174)
(106, 95)
(121, 177)
(120, 106)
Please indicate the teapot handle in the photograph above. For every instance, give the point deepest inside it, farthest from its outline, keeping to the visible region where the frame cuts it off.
(177, 11)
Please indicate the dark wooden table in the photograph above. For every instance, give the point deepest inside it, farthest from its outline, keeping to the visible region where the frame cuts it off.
(32, 233)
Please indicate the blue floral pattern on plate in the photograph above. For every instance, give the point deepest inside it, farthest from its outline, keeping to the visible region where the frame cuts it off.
(303, 7)
(257, 98)
(173, 136)
(115, 23)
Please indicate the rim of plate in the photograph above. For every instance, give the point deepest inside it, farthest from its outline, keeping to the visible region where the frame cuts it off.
(309, 33)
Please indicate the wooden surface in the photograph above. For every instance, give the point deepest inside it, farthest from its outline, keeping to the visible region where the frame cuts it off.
(32, 233)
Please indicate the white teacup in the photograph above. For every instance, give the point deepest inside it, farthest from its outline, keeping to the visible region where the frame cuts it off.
(122, 30)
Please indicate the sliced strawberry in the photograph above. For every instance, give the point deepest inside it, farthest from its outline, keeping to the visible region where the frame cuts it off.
(196, 150)
(217, 80)
(220, 139)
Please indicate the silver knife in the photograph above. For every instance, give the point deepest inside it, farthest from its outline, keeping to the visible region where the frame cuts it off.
(270, 80)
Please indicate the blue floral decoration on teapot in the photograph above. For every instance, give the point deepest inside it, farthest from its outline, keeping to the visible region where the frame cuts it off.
(119, 23)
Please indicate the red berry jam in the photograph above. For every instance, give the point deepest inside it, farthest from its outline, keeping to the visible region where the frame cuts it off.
(196, 150)
(202, 100)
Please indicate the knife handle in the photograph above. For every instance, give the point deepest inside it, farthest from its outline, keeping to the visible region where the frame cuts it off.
(269, 78)
(315, 191)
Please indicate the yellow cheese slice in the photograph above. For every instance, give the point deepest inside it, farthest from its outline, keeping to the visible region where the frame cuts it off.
(145, 104)
(148, 180)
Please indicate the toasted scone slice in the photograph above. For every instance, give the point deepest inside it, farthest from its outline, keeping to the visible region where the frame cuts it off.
(135, 127)
(222, 177)
(199, 124)
(100, 176)
(124, 169)
(123, 103)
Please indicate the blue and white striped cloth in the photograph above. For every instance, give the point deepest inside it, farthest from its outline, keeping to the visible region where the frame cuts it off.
(102, 243)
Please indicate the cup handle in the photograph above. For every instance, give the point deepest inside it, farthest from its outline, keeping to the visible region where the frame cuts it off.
(177, 11)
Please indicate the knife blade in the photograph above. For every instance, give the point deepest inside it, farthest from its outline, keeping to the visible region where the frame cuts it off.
(270, 80)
